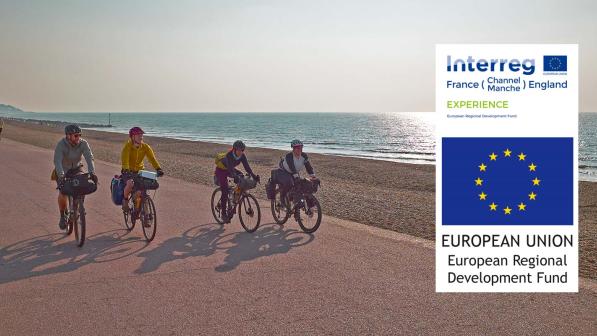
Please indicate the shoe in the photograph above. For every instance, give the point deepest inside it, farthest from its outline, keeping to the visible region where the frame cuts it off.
(62, 222)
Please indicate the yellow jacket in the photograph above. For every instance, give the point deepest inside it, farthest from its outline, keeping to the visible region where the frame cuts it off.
(132, 157)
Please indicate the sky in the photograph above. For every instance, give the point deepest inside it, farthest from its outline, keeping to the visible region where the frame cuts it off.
(269, 55)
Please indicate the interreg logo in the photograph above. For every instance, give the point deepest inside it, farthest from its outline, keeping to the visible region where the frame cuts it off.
(527, 66)
(555, 63)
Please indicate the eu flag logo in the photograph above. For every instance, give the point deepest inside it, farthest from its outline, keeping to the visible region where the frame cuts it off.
(507, 181)
(555, 63)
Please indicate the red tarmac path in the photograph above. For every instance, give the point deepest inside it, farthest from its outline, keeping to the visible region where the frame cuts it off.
(199, 278)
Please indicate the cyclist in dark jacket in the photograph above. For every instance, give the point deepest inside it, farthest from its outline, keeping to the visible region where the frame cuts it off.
(290, 167)
(225, 167)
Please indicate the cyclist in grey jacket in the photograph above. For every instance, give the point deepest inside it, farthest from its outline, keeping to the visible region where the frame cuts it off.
(67, 163)
(290, 167)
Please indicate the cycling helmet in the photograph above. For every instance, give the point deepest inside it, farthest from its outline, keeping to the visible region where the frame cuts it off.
(72, 129)
(239, 145)
(296, 143)
(135, 131)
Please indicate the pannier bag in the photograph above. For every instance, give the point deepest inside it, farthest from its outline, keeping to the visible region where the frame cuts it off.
(117, 190)
(78, 185)
(270, 189)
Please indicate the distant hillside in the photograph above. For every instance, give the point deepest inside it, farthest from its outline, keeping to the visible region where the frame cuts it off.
(9, 109)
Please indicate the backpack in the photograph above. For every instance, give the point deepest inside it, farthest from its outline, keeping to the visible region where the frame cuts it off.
(270, 189)
(220, 157)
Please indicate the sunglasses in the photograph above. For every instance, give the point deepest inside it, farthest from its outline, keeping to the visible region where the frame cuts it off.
(76, 135)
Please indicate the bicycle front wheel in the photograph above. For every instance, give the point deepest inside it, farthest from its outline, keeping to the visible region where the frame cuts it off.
(249, 213)
(309, 214)
(79, 221)
(149, 219)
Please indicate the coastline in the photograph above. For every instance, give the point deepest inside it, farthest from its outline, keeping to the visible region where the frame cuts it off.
(390, 195)
(53, 123)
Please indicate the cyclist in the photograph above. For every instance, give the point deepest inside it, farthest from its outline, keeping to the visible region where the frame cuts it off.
(67, 156)
(225, 167)
(133, 153)
(290, 167)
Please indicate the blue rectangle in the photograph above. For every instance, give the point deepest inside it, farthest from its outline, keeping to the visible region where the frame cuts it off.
(484, 177)
(555, 63)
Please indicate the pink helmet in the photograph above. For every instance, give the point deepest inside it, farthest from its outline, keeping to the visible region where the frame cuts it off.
(135, 131)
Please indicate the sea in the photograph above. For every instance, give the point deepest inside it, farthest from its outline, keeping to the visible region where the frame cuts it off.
(401, 137)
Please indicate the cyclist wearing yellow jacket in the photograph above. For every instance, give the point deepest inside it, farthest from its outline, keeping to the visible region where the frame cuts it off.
(133, 154)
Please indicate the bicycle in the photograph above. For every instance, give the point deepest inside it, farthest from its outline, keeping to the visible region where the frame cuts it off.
(75, 217)
(248, 207)
(301, 202)
(141, 207)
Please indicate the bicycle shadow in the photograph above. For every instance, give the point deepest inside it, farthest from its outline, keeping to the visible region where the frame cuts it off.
(197, 241)
(57, 253)
(268, 240)
(206, 239)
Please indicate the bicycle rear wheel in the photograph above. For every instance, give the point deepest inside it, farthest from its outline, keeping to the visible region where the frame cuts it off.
(79, 221)
(279, 212)
(216, 207)
(149, 219)
(309, 214)
(249, 213)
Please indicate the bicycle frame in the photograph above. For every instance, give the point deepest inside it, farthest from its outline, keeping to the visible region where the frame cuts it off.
(139, 191)
(142, 208)
(232, 202)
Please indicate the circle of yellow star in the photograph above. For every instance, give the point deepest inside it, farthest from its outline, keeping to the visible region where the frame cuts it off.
(493, 206)
(521, 156)
(482, 196)
(507, 152)
(522, 207)
(478, 181)
(532, 196)
(507, 210)
(492, 157)
(536, 181)
(532, 167)
(482, 167)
